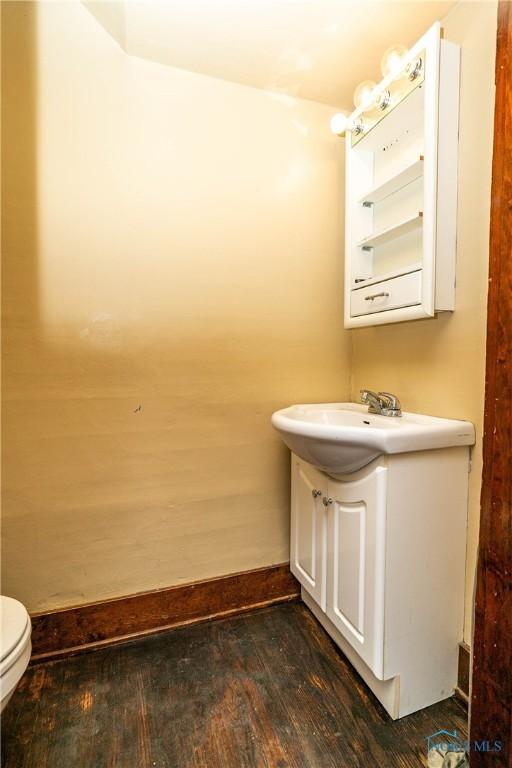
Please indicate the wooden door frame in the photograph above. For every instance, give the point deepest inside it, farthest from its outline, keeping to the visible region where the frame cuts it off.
(491, 697)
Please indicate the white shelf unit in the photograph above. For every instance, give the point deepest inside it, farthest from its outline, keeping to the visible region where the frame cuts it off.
(395, 183)
(392, 233)
(401, 194)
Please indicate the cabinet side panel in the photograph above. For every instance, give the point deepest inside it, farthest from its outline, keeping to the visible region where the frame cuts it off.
(431, 141)
(348, 232)
(425, 570)
(446, 235)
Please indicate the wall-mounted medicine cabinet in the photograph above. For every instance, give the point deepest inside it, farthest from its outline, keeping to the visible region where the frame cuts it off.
(401, 191)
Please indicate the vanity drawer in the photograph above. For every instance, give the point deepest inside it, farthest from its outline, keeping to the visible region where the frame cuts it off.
(403, 291)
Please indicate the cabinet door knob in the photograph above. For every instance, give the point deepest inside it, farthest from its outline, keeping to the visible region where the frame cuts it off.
(326, 501)
(315, 494)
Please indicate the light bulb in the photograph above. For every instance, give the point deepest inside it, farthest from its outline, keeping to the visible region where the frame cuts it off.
(363, 95)
(339, 123)
(393, 60)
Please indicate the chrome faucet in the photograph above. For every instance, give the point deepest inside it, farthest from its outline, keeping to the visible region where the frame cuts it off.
(382, 403)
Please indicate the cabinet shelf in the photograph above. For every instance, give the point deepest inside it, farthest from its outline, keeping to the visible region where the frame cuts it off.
(363, 283)
(392, 232)
(394, 184)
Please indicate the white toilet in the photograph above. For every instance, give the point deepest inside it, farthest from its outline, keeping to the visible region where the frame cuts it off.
(15, 645)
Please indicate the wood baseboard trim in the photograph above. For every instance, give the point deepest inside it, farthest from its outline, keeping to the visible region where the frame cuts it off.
(463, 674)
(69, 631)
(461, 697)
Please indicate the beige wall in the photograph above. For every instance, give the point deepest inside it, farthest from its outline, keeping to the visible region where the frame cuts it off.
(437, 366)
(170, 241)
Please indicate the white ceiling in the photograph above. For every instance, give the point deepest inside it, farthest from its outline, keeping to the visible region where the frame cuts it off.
(312, 49)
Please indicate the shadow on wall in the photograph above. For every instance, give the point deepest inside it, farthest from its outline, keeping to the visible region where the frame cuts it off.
(20, 298)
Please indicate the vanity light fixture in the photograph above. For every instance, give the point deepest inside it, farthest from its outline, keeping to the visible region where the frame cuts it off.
(363, 95)
(383, 100)
(414, 68)
(392, 62)
(339, 123)
(356, 125)
(372, 101)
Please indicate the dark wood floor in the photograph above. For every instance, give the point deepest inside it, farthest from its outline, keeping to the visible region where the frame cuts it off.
(262, 689)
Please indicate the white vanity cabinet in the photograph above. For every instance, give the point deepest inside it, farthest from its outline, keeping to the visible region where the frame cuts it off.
(380, 555)
(401, 191)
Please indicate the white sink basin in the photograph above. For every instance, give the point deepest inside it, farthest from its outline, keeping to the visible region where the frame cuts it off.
(343, 437)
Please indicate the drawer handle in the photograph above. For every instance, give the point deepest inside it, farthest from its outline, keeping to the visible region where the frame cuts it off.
(376, 296)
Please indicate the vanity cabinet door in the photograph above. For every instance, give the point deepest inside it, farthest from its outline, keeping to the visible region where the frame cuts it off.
(308, 529)
(355, 572)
